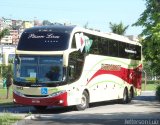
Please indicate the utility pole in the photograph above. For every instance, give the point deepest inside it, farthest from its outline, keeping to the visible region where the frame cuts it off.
(145, 79)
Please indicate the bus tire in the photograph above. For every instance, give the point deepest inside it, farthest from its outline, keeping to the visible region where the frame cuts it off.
(124, 100)
(131, 95)
(84, 102)
(40, 108)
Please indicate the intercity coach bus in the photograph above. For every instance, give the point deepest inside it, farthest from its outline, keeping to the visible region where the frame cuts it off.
(73, 66)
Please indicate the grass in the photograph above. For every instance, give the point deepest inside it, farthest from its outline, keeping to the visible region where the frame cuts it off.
(9, 119)
(150, 86)
(3, 100)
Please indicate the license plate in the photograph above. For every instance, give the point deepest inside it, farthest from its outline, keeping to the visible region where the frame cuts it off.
(35, 101)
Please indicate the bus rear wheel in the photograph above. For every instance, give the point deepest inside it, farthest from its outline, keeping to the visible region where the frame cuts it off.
(40, 108)
(84, 102)
(131, 95)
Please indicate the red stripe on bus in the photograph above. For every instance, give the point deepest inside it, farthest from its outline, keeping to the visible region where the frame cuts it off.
(131, 76)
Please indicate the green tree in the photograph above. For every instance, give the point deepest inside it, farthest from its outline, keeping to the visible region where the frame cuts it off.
(150, 21)
(3, 33)
(15, 27)
(118, 28)
(46, 23)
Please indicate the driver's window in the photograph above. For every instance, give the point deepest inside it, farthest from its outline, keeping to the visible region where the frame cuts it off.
(71, 72)
(76, 61)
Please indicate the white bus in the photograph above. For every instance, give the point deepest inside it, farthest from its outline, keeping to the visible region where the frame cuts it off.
(73, 66)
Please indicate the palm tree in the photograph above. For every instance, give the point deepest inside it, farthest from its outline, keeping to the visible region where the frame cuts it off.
(3, 33)
(118, 28)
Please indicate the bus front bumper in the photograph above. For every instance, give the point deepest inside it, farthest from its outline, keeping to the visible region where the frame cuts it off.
(57, 100)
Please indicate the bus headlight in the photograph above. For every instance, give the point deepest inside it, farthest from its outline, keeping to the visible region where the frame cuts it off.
(18, 93)
(57, 93)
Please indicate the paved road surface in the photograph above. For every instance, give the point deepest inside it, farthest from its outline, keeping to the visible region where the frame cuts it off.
(142, 110)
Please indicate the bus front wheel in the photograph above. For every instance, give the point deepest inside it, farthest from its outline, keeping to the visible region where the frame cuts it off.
(84, 102)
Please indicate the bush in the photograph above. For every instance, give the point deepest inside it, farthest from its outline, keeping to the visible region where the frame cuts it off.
(152, 81)
(158, 92)
(4, 70)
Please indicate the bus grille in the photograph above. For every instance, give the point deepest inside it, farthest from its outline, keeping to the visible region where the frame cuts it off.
(36, 95)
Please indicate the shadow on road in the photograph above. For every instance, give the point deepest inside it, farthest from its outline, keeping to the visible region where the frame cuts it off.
(145, 98)
(139, 101)
(97, 119)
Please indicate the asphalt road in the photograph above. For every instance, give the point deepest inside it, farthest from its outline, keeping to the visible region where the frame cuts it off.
(143, 110)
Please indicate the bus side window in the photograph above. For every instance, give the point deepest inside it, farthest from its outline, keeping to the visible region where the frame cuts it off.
(138, 54)
(71, 72)
(113, 48)
(131, 55)
(104, 47)
(75, 66)
(122, 52)
(73, 45)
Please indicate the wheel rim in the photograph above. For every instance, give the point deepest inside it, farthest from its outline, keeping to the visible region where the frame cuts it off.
(83, 101)
(124, 96)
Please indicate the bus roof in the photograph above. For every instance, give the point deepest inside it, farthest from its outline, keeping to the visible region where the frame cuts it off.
(57, 28)
(73, 29)
(112, 36)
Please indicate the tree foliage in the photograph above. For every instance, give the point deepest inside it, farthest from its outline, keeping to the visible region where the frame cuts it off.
(3, 33)
(118, 28)
(150, 21)
(46, 23)
(6, 70)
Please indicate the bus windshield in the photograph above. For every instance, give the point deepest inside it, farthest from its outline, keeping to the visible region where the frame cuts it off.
(38, 69)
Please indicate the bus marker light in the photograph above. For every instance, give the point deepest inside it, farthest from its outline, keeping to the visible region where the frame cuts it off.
(14, 100)
(61, 101)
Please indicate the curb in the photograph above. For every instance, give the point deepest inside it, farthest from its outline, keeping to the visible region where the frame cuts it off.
(24, 121)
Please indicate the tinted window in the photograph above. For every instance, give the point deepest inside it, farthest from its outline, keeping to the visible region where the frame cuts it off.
(73, 45)
(43, 41)
(76, 61)
(113, 48)
(104, 47)
(122, 52)
(109, 47)
(129, 51)
(138, 54)
(95, 48)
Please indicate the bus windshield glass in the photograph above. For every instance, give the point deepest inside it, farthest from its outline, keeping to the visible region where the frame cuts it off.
(38, 69)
